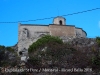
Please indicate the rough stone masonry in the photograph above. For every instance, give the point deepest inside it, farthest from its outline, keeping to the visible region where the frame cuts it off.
(29, 33)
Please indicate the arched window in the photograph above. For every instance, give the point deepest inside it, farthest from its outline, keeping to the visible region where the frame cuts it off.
(41, 35)
(25, 32)
(60, 22)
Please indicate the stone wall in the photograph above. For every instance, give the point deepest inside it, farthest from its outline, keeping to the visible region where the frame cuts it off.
(59, 30)
(80, 32)
(84, 34)
(29, 34)
(32, 30)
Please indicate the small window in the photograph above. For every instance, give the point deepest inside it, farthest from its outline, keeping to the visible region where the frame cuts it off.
(60, 22)
(20, 53)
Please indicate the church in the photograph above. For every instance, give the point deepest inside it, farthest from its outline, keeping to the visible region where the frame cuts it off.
(29, 33)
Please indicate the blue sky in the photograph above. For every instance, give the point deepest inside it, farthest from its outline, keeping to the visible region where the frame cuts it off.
(23, 10)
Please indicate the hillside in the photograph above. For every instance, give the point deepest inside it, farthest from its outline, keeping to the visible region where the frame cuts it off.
(50, 56)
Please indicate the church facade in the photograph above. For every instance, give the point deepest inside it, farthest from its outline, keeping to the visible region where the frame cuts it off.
(29, 33)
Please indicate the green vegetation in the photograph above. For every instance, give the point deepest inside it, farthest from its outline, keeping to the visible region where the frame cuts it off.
(43, 41)
(47, 43)
(4, 56)
(9, 49)
(34, 61)
(96, 61)
(98, 40)
(6, 48)
(2, 47)
(49, 48)
(96, 58)
(51, 52)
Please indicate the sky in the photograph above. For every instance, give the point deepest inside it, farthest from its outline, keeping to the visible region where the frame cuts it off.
(24, 10)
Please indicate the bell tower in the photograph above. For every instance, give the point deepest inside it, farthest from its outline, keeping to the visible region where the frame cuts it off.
(59, 20)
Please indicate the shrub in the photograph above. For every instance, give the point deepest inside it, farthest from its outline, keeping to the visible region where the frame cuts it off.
(9, 49)
(96, 61)
(96, 58)
(43, 41)
(34, 61)
(98, 40)
(2, 47)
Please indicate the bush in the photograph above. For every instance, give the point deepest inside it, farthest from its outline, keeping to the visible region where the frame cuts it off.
(9, 49)
(96, 58)
(2, 47)
(34, 61)
(43, 41)
(96, 61)
(98, 40)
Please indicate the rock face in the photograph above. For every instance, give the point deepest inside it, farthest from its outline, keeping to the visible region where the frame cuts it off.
(84, 41)
(29, 33)
(15, 47)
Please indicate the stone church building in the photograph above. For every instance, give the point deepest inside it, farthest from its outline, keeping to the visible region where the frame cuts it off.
(29, 33)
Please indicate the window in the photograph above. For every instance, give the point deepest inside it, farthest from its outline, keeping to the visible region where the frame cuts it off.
(26, 32)
(60, 22)
(20, 53)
